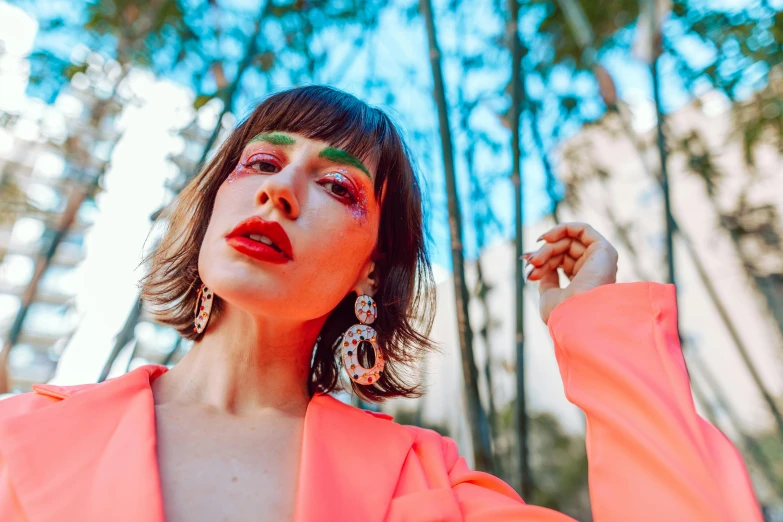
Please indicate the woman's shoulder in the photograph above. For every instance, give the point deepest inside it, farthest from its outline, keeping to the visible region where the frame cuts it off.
(15, 404)
(425, 441)
(429, 442)
(119, 388)
(42, 395)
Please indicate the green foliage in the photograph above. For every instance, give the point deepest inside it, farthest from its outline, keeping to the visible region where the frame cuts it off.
(139, 27)
(411, 417)
(558, 462)
(739, 39)
(759, 120)
(605, 19)
(131, 32)
(772, 446)
(14, 202)
(699, 159)
(72, 69)
(745, 49)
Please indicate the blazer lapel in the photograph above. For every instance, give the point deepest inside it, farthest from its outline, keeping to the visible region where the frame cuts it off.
(351, 462)
(93, 456)
(88, 458)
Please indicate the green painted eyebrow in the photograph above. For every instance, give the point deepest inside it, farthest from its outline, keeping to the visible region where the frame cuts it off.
(274, 138)
(329, 153)
(346, 158)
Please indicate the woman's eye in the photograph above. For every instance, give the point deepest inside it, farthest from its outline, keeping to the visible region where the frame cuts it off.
(262, 166)
(337, 189)
(261, 162)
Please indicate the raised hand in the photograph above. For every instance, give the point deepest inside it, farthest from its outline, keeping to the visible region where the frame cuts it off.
(586, 257)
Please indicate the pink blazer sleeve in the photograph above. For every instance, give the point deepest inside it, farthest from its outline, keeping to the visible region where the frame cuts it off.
(650, 456)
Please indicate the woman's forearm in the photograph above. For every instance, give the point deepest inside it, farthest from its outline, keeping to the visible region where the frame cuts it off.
(651, 456)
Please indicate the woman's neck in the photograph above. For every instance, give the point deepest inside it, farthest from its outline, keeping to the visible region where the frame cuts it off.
(244, 366)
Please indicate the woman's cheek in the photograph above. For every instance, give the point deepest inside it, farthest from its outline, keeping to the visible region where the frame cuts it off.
(342, 239)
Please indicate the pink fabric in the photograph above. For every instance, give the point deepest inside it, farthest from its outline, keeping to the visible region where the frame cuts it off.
(87, 453)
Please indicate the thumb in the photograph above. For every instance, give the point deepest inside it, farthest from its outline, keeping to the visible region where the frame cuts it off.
(550, 281)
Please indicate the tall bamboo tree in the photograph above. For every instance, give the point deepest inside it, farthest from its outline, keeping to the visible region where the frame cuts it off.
(477, 417)
(517, 92)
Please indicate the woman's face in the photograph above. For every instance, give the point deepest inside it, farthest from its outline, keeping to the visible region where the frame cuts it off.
(321, 199)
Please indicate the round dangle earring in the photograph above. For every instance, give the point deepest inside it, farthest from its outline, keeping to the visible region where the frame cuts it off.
(357, 334)
(203, 309)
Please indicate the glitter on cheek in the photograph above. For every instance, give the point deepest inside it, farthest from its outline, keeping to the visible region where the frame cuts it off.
(358, 208)
(241, 170)
(233, 175)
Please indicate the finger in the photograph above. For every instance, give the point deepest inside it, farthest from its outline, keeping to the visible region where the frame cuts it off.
(568, 265)
(565, 261)
(550, 265)
(549, 281)
(566, 245)
(581, 231)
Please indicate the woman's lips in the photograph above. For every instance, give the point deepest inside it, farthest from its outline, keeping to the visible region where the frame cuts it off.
(256, 250)
(273, 231)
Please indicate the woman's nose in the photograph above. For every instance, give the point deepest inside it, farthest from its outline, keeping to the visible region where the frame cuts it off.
(279, 190)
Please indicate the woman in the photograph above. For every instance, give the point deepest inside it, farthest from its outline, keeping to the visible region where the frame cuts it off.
(297, 254)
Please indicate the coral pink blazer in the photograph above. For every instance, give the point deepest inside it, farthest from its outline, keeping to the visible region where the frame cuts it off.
(87, 453)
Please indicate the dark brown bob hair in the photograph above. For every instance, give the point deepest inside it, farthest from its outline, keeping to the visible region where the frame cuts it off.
(406, 290)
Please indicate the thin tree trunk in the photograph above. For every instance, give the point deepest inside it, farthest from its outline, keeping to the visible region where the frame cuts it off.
(766, 292)
(228, 97)
(749, 443)
(486, 331)
(664, 179)
(482, 290)
(733, 333)
(477, 417)
(517, 93)
(549, 173)
(124, 336)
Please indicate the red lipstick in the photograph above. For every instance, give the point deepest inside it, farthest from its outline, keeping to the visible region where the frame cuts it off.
(262, 240)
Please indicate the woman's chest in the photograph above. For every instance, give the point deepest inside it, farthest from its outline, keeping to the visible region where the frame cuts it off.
(227, 470)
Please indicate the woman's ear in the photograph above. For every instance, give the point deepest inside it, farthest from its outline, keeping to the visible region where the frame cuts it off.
(368, 282)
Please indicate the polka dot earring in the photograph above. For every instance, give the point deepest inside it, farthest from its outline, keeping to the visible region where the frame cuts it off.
(366, 312)
(203, 308)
